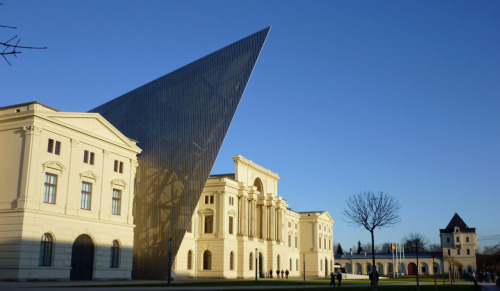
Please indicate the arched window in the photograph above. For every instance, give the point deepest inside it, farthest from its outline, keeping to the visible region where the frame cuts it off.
(290, 267)
(250, 265)
(190, 259)
(258, 184)
(207, 260)
(115, 254)
(46, 245)
(231, 261)
(278, 261)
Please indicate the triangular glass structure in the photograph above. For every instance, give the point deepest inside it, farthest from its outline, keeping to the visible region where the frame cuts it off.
(179, 121)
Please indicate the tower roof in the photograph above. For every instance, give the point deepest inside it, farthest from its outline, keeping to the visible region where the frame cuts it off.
(457, 221)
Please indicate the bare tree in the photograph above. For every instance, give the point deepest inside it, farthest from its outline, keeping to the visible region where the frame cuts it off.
(434, 248)
(370, 211)
(11, 47)
(415, 242)
(385, 247)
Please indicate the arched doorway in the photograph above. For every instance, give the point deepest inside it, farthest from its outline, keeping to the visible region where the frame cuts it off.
(82, 259)
(412, 269)
(326, 268)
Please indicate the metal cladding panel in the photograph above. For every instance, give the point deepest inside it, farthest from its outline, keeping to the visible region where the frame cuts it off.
(179, 121)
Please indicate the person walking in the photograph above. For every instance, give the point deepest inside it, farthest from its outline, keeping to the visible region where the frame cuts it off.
(339, 278)
(282, 272)
(286, 273)
(332, 279)
(278, 274)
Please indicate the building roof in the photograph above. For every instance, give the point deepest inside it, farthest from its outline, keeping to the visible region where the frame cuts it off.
(354, 256)
(456, 221)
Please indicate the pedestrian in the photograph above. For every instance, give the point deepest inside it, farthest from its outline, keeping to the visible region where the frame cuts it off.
(339, 278)
(374, 278)
(282, 272)
(271, 273)
(332, 279)
(278, 274)
(286, 273)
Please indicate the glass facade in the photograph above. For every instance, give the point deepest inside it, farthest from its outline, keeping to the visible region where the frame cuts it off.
(179, 121)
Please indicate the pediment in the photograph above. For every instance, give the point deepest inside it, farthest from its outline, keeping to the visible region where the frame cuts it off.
(54, 166)
(119, 182)
(89, 175)
(94, 124)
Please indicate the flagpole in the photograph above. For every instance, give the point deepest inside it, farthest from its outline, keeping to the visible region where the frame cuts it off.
(392, 251)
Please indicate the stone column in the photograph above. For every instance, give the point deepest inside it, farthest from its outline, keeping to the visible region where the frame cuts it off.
(239, 215)
(264, 221)
(255, 220)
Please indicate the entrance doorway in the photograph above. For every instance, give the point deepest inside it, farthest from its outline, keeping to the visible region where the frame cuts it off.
(82, 259)
(261, 274)
(412, 269)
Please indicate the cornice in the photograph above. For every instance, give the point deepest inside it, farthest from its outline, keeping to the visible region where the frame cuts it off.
(252, 165)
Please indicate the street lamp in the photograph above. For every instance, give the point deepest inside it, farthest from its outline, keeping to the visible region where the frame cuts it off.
(256, 267)
(304, 261)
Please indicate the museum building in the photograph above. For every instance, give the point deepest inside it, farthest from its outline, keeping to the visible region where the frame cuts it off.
(66, 195)
(242, 227)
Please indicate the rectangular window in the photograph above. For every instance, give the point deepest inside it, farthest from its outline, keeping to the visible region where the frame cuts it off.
(86, 157)
(209, 223)
(320, 243)
(57, 149)
(468, 251)
(296, 245)
(230, 225)
(467, 239)
(289, 241)
(116, 202)
(458, 239)
(92, 156)
(50, 146)
(231, 200)
(86, 196)
(447, 239)
(458, 252)
(211, 199)
(449, 252)
(121, 168)
(49, 193)
(206, 199)
(289, 224)
(116, 166)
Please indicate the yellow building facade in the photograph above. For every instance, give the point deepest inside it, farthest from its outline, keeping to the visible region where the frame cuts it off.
(242, 227)
(66, 200)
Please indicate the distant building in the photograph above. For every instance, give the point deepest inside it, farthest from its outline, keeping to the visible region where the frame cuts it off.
(459, 244)
(241, 225)
(66, 195)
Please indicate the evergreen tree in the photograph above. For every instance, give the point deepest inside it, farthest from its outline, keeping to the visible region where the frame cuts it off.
(339, 249)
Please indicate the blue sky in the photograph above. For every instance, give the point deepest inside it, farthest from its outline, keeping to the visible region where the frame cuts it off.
(347, 96)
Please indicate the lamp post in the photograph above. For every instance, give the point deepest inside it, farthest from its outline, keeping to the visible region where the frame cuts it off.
(256, 267)
(304, 262)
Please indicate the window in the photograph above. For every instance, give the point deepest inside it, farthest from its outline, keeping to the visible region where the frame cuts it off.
(190, 260)
(458, 239)
(320, 243)
(466, 239)
(231, 261)
(423, 269)
(46, 244)
(190, 228)
(329, 244)
(290, 265)
(289, 224)
(116, 202)
(231, 200)
(295, 226)
(468, 251)
(447, 239)
(289, 241)
(296, 242)
(118, 168)
(278, 261)
(49, 192)
(88, 157)
(319, 227)
(115, 254)
(209, 223)
(449, 252)
(321, 265)
(296, 264)
(207, 260)
(209, 199)
(86, 195)
(324, 243)
(458, 252)
(54, 149)
(230, 225)
(250, 261)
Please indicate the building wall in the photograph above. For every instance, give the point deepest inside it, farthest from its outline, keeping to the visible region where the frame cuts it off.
(460, 247)
(25, 217)
(262, 227)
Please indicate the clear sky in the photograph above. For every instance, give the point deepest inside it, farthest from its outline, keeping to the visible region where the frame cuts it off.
(347, 96)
